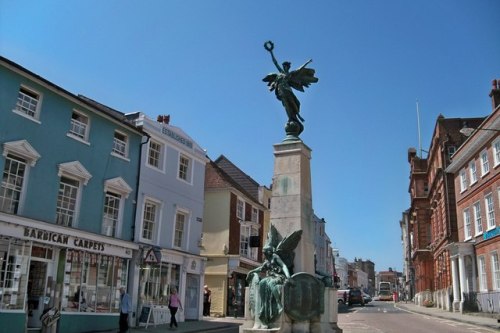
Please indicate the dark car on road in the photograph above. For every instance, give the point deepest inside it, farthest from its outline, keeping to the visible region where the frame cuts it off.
(356, 297)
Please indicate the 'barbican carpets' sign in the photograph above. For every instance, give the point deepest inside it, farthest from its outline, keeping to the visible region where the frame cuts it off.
(492, 233)
(61, 239)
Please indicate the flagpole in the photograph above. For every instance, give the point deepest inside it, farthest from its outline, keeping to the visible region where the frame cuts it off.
(418, 129)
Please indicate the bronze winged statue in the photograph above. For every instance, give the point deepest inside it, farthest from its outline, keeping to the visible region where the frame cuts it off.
(282, 83)
(277, 269)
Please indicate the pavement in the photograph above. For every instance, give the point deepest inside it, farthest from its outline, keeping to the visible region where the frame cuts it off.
(206, 325)
(479, 319)
(211, 323)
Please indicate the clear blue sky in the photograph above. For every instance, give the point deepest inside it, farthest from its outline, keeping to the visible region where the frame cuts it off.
(202, 62)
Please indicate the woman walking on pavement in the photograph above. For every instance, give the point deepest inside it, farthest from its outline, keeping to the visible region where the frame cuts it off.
(174, 303)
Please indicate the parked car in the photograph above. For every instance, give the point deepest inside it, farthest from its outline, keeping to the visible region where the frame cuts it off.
(367, 298)
(356, 297)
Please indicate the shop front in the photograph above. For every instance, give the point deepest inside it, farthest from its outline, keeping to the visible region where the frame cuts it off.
(44, 266)
(161, 270)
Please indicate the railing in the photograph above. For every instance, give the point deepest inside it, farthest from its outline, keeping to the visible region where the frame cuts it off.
(488, 302)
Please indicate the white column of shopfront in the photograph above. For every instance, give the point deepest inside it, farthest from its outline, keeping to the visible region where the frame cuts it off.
(463, 284)
(169, 277)
(456, 287)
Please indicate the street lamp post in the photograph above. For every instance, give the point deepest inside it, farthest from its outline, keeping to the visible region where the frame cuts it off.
(467, 131)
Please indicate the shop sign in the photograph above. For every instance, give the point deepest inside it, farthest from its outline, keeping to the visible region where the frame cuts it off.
(492, 233)
(61, 239)
(177, 137)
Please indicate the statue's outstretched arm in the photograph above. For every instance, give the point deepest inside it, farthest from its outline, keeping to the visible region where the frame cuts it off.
(276, 63)
(252, 272)
(269, 46)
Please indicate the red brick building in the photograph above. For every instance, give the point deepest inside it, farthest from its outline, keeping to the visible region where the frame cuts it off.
(475, 257)
(433, 222)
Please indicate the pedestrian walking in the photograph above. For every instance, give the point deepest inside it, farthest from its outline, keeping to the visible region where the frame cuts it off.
(207, 299)
(125, 309)
(174, 303)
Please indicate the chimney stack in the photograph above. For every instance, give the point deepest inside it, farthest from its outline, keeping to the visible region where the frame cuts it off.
(163, 119)
(495, 93)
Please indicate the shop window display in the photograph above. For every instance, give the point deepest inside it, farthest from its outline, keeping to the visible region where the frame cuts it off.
(14, 255)
(92, 282)
(156, 282)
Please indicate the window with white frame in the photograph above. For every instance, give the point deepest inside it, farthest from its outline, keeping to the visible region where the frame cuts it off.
(463, 180)
(472, 172)
(482, 273)
(485, 164)
(120, 144)
(240, 209)
(255, 215)
(495, 271)
(116, 190)
(79, 126)
(155, 154)
(19, 157)
(246, 231)
(244, 240)
(496, 152)
(184, 168)
(67, 197)
(12, 183)
(477, 218)
(254, 251)
(111, 214)
(490, 211)
(180, 226)
(467, 227)
(73, 176)
(149, 219)
(28, 102)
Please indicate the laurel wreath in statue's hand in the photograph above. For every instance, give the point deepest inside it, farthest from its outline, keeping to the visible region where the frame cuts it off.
(269, 46)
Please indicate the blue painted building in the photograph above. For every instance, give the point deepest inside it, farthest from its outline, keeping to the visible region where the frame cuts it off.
(67, 204)
(169, 220)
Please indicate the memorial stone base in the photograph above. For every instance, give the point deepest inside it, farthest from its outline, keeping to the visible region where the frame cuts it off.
(326, 323)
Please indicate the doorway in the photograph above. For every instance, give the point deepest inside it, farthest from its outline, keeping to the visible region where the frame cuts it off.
(37, 283)
(193, 297)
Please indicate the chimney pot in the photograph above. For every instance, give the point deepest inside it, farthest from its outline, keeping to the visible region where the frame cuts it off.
(495, 93)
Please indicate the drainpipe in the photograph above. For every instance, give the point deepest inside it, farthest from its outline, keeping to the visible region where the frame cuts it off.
(445, 179)
(137, 183)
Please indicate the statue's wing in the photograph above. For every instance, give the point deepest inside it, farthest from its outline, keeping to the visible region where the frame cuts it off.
(272, 236)
(271, 80)
(286, 247)
(302, 77)
(290, 242)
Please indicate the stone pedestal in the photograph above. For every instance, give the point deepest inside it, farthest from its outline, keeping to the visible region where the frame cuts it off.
(326, 323)
(291, 210)
(291, 202)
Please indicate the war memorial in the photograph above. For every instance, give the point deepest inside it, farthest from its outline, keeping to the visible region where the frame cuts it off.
(284, 295)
